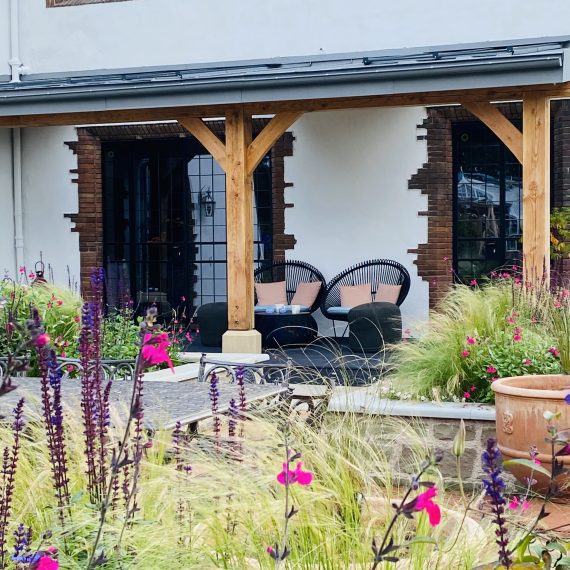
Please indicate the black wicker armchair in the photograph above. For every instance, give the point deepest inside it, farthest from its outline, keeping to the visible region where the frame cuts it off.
(293, 273)
(375, 272)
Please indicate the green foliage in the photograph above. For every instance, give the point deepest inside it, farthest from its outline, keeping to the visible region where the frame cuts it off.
(559, 233)
(444, 363)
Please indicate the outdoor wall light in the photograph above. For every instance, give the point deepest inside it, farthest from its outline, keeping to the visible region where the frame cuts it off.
(207, 203)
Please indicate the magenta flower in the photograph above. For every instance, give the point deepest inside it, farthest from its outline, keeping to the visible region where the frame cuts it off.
(154, 350)
(517, 336)
(515, 503)
(473, 282)
(424, 502)
(554, 352)
(493, 379)
(290, 476)
(491, 369)
(47, 563)
(445, 258)
(466, 395)
(22, 269)
(527, 362)
(42, 340)
(470, 340)
(465, 353)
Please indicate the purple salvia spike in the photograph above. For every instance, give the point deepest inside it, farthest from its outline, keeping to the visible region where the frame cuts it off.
(214, 403)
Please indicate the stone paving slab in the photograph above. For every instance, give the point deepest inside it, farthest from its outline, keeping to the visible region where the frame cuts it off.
(165, 403)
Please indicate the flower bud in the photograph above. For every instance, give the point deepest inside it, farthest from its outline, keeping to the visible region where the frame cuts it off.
(459, 440)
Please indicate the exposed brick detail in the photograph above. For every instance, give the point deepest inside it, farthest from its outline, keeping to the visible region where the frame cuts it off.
(62, 3)
(89, 218)
(435, 179)
(281, 241)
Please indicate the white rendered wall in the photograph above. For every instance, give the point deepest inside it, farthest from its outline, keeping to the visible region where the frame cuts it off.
(48, 195)
(350, 171)
(166, 32)
(7, 246)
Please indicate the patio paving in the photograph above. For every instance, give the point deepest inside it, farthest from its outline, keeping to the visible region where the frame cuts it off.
(165, 403)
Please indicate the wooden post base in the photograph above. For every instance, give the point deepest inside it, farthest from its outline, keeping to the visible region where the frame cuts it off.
(242, 342)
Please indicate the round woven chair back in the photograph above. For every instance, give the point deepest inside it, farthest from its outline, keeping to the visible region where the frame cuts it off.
(375, 272)
(293, 273)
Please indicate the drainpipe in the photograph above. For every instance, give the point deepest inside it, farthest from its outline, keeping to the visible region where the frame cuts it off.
(15, 61)
(17, 71)
(18, 195)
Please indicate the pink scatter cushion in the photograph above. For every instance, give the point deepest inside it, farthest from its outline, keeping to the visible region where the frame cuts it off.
(271, 293)
(354, 295)
(387, 293)
(306, 293)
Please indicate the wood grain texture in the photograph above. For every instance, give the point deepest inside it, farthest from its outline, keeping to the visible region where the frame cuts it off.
(209, 139)
(536, 186)
(500, 125)
(268, 137)
(239, 222)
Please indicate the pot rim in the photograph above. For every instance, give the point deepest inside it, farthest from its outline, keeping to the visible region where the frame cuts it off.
(503, 386)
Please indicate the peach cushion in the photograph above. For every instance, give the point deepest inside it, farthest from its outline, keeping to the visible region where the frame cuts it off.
(306, 293)
(271, 293)
(354, 295)
(387, 293)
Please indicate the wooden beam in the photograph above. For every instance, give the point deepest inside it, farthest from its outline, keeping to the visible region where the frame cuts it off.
(268, 137)
(500, 125)
(536, 186)
(209, 139)
(276, 107)
(239, 222)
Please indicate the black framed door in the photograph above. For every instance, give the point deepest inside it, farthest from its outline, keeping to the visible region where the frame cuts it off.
(487, 204)
(165, 223)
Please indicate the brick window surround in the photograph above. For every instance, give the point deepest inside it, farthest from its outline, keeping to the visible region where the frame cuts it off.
(88, 220)
(435, 180)
(63, 3)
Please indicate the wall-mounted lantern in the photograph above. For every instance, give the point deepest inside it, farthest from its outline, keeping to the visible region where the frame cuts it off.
(207, 202)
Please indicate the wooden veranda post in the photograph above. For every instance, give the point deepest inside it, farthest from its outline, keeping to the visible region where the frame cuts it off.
(536, 186)
(238, 158)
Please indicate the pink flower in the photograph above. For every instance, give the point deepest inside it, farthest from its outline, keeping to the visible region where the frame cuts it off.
(510, 320)
(76, 319)
(466, 395)
(515, 503)
(536, 461)
(565, 293)
(517, 336)
(557, 305)
(60, 302)
(47, 563)
(183, 299)
(473, 282)
(470, 340)
(290, 476)
(493, 379)
(517, 280)
(22, 269)
(527, 362)
(554, 352)
(31, 275)
(188, 337)
(445, 258)
(491, 369)
(465, 353)
(154, 350)
(472, 389)
(42, 340)
(63, 354)
(424, 502)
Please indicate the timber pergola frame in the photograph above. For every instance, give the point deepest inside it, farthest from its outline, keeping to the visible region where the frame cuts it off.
(239, 154)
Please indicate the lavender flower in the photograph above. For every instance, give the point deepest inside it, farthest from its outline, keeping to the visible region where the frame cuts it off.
(9, 468)
(494, 487)
(53, 422)
(240, 379)
(234, 414)
(214, 402)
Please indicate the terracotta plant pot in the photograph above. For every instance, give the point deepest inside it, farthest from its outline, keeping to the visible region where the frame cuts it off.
(520, 403)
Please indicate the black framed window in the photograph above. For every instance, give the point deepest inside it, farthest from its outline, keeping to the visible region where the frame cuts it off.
(165, 223)
(487, 203)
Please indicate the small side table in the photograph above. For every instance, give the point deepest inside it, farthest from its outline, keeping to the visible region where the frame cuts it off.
(286, 329)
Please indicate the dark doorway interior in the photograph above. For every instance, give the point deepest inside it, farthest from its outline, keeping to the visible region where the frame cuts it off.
(164, 223)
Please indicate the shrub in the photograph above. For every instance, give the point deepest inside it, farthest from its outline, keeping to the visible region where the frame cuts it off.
(473, 329)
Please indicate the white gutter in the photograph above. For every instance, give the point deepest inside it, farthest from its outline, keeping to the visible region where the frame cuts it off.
(17, 70)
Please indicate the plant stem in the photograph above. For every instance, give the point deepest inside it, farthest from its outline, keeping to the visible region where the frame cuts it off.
(115, 467)
(281, 560)
(460, 478)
